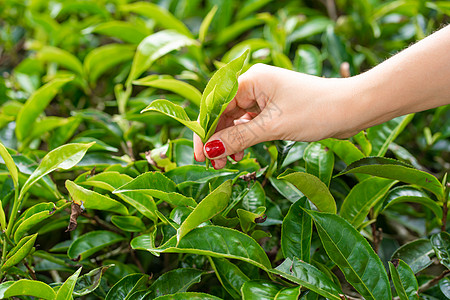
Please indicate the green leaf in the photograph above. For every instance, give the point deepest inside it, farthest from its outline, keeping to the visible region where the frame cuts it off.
(224, 85)
(319, 162)
(157, 13)
(95, 64)
(9, 162)
(19, 252)
(188, 296)
(405, 282)
(90, 281)
(283, 148)
(205, 24)
(314, 189)
(248, 219)
(64, 157)
(143, 203)
(128, 285)
(415, 254)
(409, 194)
(170, 84)
(36, 104)
(194, 174)
(296, 231)
(441, 245)
(3, 287)
(43, 126)
(159, 186)
(128, 223)
(66, 290)
(233, 31)
(2, 218)
(93, 200)
(125, 31)
(155, 46)
(61, 57)
(363, 142)
(312, 27)
(176, 112)
(108, 180)
(268, 290)
(28, 223)
(91, 242)
(25, 287)
(286, 189)
(362, 197)
(351, 252)
(308, 60)
(175, 281)
(308, 276)
(250, 7)
(380, 136)
(229, 275)
(444, 283)
(210, 206)
(394, 169)
(344, 149)
(209, 240)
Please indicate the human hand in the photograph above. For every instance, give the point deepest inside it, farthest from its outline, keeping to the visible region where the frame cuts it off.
(274, 103)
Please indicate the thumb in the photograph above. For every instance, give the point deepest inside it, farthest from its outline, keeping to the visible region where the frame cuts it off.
(235, 138)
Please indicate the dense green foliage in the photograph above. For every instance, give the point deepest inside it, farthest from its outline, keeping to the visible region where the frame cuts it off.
(101, 201)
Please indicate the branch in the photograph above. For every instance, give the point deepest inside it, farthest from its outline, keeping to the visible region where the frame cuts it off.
(433, 281)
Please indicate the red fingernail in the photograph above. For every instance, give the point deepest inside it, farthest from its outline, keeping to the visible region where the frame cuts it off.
(195, 157)
(233, 157)
(213, 164)
(214, 148)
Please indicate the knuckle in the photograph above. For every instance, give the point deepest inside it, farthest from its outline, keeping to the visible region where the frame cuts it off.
(236, 138)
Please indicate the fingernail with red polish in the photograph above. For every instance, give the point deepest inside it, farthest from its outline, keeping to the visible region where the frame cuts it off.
(214, 148)
(213, 164)
(233, 157)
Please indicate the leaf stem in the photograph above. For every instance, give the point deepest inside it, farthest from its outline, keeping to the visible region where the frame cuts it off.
(14, 211)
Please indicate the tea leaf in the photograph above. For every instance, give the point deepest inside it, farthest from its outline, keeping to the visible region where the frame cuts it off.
(353, 255)
(394, 169)
(36, 104)
(176, 112)
(25, 287)
(210, 206)
(362, 197)
(296, 231)
(415, 254)
(93, 200)
(441, 245)
(91, 242)
(209, 240)
(308, 276)
(313, 188)
(66, 290)
(176, 86)
(268, 290)
(405, 282)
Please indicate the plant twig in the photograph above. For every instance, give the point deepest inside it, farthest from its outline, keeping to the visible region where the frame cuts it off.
(433, 281)
(30, 270)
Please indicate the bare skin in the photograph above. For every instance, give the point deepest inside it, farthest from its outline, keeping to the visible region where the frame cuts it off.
(278, 104)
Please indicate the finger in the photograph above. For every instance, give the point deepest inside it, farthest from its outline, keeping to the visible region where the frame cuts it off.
(235, 139)
(238, 156)
(198, 149)
(219, 163)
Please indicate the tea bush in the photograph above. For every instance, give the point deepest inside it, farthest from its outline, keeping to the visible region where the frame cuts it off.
(101, 197)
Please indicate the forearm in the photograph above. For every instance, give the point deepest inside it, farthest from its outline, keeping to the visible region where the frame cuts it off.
(416, 79)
